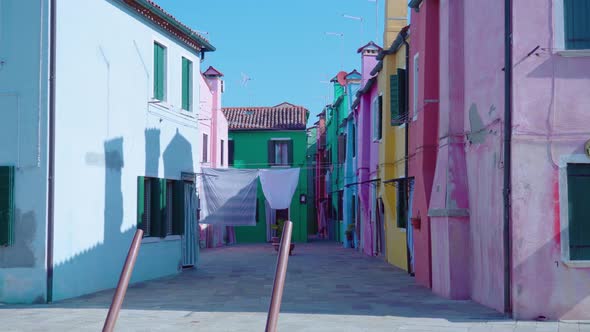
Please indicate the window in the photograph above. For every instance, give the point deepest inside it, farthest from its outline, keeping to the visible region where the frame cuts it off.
(230, 152)
(160, 207)
(398, 97)
(341, 149)
(6, 205)
(377, 111)
(415, 87)
(402, 204)
(578, 189)
(187, 84)
(222, 151)
(280, 152)
(576, 24)
(205, 147)
(159, 72)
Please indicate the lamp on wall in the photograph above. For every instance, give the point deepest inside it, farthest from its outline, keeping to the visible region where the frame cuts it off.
(303, 199)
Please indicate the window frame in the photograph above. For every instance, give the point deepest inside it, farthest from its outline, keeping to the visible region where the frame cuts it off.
(8, 238)
(415, 86)
(376, 119)
(286, 141)
(559, 33)
(564, 208)
(168, 229)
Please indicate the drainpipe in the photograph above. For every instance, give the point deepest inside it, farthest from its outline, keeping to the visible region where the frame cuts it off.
(51, 152)
(407, 134)
(507, 151)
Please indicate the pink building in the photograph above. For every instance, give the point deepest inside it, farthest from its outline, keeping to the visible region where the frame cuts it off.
(365, 107)
(423, 128)
(213, 143)
(536, 140)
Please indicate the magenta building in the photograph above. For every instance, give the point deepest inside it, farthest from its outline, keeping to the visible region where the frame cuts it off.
(508, 211)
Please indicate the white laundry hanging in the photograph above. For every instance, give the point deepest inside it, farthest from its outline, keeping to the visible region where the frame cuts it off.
(279, 186)
(229, 196)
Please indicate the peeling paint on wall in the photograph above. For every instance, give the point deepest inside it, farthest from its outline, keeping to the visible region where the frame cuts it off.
(478, 133)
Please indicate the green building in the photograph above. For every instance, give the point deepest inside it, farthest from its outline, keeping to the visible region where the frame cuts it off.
(271, 137)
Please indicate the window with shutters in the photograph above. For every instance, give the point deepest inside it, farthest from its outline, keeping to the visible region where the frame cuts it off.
(377, 114)
(160, 207)
(6, 205)
(578, 211)
(205, 148)
(230, 152)
(159, 72)
(576, 24)
(398, 98)
(353, 141)
(280, 152)
(187, 84)
(415, 86)
(341, 149)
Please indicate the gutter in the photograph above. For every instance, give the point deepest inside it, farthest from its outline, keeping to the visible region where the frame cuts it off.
(507, 152)
(51, 152)
(407, 134)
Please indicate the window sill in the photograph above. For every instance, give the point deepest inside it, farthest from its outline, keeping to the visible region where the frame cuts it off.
(158, 239)
(578, 264)
(573, 53)
(167, 111)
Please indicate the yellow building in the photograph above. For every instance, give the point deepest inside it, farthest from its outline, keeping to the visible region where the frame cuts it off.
(392, 148)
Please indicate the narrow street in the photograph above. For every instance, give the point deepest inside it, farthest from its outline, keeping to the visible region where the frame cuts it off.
(328, 289)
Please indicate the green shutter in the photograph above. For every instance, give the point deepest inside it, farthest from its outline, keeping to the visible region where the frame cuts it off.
(578, 188)
(230, 152)
(402, 95)
(395, 99)
(186, 84)
(577, 24)
(290, 152)
(140, 200)
(6, 205)
(271, 153)
(380, 115)
(158, 213)
(179, 208)
(159, 58)
(402, 202)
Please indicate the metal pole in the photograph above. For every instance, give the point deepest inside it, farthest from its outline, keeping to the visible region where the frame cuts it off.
(279, 282)
(115, 307)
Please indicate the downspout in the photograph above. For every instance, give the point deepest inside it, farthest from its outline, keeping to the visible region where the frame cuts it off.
(406, 163)
(507, 151)
(51, 152)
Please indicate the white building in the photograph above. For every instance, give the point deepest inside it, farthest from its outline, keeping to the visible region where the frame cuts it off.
(99, 136)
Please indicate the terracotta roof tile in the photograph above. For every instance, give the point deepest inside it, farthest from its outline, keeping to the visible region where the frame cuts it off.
(285, 116)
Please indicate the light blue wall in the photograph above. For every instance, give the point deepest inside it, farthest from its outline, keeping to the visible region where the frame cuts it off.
(108, 134)
(349, 165)
(23, 142)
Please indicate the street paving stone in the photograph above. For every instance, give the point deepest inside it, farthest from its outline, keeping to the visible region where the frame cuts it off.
(328, 288)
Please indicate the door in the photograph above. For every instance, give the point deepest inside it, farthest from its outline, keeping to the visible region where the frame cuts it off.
(410, 228)
(190, 248)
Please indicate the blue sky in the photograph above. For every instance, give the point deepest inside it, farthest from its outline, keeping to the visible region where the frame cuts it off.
(281, 45)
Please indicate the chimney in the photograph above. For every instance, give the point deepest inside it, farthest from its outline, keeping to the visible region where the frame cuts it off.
(369, 54)
(396, 17)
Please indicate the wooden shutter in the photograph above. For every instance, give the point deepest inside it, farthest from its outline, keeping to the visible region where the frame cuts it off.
(395, 102)
(222, 151)
(158, 71)
(578, 188)
(402, 95)
(353, 141)
(290, 152)
(186, 84)
(158, 207)
(577, 24)
(6, 205)
(341, 149)
(271, 153)
(402, 200)
(230, 152)
(205, 147)
(179, 208)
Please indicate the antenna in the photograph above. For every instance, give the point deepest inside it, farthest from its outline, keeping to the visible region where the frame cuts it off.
(245, 79)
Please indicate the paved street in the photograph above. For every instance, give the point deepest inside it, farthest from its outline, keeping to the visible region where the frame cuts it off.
(328, 289)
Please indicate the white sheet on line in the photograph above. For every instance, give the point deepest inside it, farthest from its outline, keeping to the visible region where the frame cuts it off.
(229, 196)
(279, 186)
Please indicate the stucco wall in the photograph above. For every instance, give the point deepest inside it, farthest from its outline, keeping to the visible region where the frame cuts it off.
(108, 134)
(23, 133)
(550, 122)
